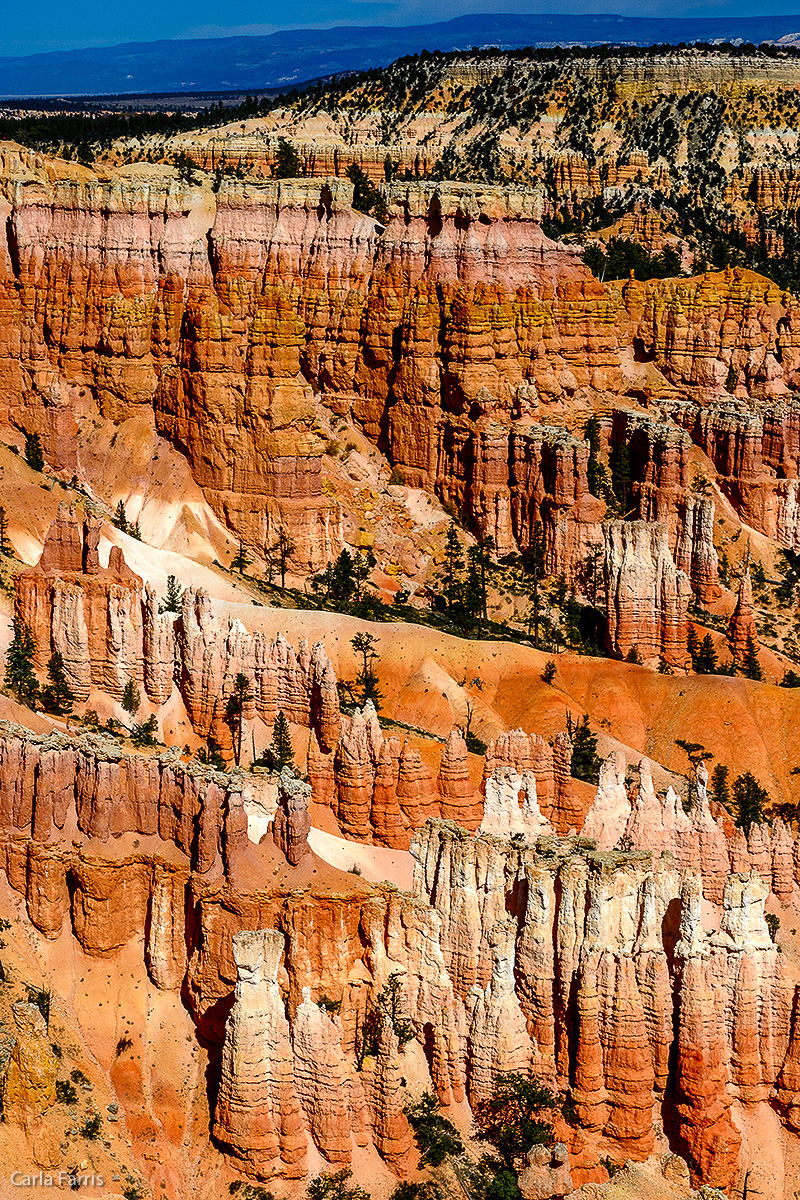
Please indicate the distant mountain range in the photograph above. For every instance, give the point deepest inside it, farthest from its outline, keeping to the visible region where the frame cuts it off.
(296, 55)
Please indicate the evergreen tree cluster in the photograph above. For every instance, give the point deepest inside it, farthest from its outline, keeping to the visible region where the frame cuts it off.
(622, 257)
(120, 519)
(343, 584)
(463, 583)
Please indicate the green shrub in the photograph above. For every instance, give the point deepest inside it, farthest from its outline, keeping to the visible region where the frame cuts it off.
(436, 1137)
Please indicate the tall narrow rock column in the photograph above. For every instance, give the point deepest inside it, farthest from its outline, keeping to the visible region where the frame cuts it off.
(258, 1113)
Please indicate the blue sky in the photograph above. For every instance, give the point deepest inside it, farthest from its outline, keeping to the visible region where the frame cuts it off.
(53, 25)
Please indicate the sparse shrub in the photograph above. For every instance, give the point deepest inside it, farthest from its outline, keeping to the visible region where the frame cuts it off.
(146, 733)
(92, 1127)
(336, 1187)
(65, 1092)
(549, 672)
(773, 924)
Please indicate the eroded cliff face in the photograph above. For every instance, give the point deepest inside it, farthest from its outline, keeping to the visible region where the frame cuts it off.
(381, 790)
(647, 597)
(226, 311)
(584, 959)
(109, 630)
(468, 346)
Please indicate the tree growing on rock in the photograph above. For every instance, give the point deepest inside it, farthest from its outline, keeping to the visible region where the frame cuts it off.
(146, 733)
(120, 518)
(749, 799)
(694, 751)
(172, 601)
(533, 560)
(364, 645)
(336, 1186)
(241, 559)
(720, 790)
(476, 587)
(281, 751)
(585, 759)
(436, 1137)
(20, 676)
(281, 552)
(451, 575)
(517, 1116)
(34, 454)
(131, 698)
(705, 661)
(287, 161)
(751, 667)
(366, 197)
(238, 701)
(57, 696)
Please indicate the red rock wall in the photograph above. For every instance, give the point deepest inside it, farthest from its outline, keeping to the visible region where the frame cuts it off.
(108, 633)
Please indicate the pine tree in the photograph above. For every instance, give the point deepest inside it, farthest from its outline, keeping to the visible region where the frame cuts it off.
(720, 792)
(287, 161)
(282, 551)
(621, 476)
(5, 545)
(362, 566)
(238, 701)
(594, 475)
(533, 559)
(343, 580)
(451, 575)
(20, 676)
(57, 696)
(172, 601)
(280, 748)
(241, 559)
(751, 667)
(121, 517)
(749, 798)
(34, 455)
(480, 559)
(705, 661)
(146, 734)
(585, 759)
(131, 698)
(364, 644)
(693, 646)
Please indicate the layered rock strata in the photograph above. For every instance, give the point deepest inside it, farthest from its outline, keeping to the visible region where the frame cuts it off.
(292, 822)
(382, 790)
(109, 631)
(517, 950)
(258, 1112)
(647, 596)
(226, 310)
